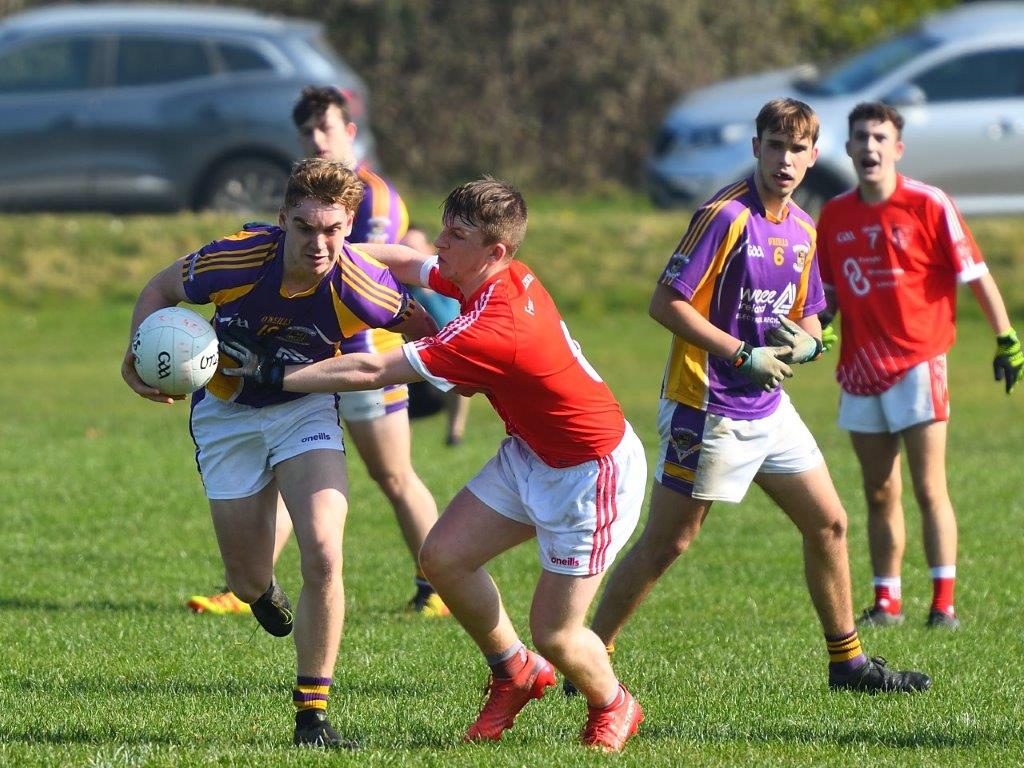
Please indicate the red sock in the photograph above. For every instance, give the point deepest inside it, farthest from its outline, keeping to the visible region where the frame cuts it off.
(942, 595)
(510, 663)
(885, 601)
(617, 699)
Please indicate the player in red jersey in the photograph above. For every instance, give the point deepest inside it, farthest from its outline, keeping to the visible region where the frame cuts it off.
(571, 473)
(891, 253)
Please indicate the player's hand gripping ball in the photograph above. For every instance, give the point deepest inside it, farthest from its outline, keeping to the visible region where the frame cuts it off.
(175, 351)
(256, 364)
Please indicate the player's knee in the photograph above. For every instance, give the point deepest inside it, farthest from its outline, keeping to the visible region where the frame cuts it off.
(931, 496)
(661, 554)
(436, 560)
(551, 643)
(831, 529)
(667, 553)
(247, 585)
(321, 566)
(391, 481)
(884, 496)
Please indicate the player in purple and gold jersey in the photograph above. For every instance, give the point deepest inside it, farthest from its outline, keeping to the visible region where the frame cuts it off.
(377, 422)
(297, 290)
(740, 295)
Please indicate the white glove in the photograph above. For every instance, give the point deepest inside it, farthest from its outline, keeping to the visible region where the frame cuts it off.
(805, 347)
(765, 366)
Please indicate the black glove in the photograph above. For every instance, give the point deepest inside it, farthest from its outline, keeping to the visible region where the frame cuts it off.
(255, 363)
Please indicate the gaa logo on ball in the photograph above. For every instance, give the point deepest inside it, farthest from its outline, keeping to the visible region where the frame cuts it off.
(175, 351)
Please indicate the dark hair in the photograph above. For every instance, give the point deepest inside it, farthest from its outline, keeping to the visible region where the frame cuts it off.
(317, 99)
(494, 207)
(790, 117)
(326, 181)
(876, 110)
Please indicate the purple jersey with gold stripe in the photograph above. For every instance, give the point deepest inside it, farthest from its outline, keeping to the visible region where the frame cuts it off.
(242, 275)
(741, 268)
(381, 218)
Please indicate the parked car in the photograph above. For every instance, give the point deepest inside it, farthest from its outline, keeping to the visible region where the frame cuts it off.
(957, 78)
(132, 107)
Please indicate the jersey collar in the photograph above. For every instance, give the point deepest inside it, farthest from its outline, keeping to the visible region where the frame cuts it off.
(752, 186)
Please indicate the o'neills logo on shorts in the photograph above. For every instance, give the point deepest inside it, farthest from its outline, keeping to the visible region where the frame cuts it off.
(316, 437)
(569, 562)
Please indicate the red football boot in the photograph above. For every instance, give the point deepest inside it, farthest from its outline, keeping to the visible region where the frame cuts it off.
(609, 729)
(507, 696)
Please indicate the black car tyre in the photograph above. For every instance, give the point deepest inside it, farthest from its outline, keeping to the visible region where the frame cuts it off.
(245, 186)
(816, 190)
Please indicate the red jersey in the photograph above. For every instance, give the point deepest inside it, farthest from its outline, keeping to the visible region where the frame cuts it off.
(511, 344)
(894, 267)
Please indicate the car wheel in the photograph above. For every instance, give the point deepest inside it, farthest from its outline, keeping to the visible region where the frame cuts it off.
(815, 191)
(245, 186)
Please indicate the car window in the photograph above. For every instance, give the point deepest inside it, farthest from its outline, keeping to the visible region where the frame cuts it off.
(986, 75)
(56, 64)
(242, 58)
(155, 60)
(865, 68)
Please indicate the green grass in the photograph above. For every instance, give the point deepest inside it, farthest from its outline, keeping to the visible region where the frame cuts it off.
(105, 533)
(613, 246)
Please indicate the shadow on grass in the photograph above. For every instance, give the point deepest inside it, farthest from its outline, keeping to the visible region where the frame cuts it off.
(102, 737)
(173, 687)
(35, 604)
(412, 689)
(82, 736)
(804, 734)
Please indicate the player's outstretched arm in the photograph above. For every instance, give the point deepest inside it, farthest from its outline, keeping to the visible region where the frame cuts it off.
(351, 372)
(1008, 363)
(345, 373)
(163, 290)
(417, 323)
(406, 263)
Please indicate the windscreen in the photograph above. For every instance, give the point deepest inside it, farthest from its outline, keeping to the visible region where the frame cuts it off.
(868, 66)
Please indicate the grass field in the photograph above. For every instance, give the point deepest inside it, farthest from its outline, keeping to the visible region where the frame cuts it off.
(105, 533)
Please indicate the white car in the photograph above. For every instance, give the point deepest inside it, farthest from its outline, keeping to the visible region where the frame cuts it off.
(957, 78)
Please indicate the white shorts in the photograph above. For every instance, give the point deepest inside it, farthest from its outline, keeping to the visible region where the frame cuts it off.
(237, 446)
(707, 456)
(583, 515)
(920, 397)
(370, 404)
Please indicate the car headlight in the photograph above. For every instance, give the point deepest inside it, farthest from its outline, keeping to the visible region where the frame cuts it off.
(671, 138)
(716, 135)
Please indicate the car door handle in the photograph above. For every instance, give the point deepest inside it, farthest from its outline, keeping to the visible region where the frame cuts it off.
(210, 114)
(1004, 127)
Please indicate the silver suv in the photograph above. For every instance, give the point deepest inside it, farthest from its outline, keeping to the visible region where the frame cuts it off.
(133, 107)
(957, 78)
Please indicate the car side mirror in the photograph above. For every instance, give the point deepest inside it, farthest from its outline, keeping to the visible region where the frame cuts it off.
(906, 95)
